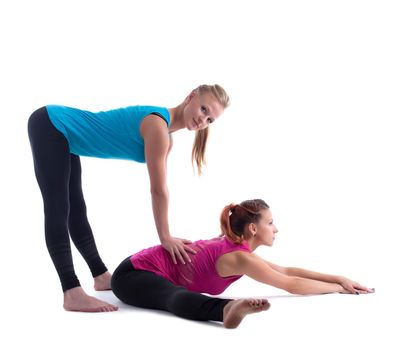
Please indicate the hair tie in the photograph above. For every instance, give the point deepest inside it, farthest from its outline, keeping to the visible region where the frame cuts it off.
(232, 208)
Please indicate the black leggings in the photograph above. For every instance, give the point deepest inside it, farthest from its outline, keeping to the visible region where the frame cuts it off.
(58, 174)
(147, 290)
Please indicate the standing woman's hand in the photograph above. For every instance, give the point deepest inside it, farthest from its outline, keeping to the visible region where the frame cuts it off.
(178, 249)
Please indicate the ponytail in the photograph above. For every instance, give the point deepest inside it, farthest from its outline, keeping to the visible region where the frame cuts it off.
(226, 227)
(199, 148)
(199, 144)
(235, 217)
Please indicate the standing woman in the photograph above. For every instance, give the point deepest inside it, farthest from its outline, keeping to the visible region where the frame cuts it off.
(59, 135)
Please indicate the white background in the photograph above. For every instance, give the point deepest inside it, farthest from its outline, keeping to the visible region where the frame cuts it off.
(319, 127)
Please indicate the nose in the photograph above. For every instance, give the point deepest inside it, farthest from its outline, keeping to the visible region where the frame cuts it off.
(203, 119)
(202, 122)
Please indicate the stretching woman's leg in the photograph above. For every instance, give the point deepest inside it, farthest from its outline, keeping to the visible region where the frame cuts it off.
(147, 290)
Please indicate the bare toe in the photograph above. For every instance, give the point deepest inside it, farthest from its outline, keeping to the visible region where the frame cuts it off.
(76, 299)
(236, 310)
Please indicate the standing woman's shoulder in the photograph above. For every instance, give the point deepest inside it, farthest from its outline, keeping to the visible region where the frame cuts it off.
(154, 125)
(155, 133)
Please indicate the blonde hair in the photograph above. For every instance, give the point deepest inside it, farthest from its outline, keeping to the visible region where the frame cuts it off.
(199, 144)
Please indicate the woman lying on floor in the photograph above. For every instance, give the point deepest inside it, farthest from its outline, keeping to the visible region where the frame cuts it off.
(149, 279)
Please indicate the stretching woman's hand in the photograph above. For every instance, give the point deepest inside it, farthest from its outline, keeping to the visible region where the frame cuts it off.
(178, 248)
(352, 287)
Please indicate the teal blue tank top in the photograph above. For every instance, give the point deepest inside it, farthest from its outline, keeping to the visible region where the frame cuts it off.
(109, 134)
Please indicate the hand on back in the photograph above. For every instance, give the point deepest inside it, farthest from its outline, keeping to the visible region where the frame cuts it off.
(178, 248)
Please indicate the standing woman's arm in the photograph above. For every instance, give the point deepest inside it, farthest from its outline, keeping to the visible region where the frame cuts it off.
(156, 140)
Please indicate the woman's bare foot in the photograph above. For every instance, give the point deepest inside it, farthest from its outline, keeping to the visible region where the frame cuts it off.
(236, 310)
(76, 299)
(103, 281)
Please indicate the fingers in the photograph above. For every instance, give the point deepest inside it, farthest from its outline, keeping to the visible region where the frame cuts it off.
(186, 247)
(180, 253)
(172, 253)
(359, 289)
(189, 249)
(183, 255)
(351, 289)
(179, 249)
(365, 290)
(356, 288)
(350, 286)
(183, 248)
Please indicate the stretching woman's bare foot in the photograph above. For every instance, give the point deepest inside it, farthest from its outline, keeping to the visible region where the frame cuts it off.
(76, 299)
(236, 310)
(103, 281)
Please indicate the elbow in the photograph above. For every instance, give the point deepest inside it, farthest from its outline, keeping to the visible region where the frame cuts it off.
(294, 286)
(159, 191)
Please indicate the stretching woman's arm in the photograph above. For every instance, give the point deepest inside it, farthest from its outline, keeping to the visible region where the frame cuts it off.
(293, 280)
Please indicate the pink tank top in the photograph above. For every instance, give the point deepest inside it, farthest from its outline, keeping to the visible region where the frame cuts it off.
(200, 275)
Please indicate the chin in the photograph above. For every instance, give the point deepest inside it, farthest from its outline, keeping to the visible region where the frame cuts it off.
(191, 127)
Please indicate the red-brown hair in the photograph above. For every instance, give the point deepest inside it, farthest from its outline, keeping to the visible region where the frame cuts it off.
(235, 217)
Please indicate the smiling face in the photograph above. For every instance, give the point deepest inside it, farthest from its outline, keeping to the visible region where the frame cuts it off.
(201, 109)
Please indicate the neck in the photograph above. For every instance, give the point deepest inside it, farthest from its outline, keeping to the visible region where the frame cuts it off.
(252, 243)
(176, 118)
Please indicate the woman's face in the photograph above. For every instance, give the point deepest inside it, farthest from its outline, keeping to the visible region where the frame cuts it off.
(266, 229)
(201, 110)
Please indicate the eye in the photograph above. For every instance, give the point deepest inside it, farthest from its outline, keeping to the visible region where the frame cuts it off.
(203, 109)
(210, 120)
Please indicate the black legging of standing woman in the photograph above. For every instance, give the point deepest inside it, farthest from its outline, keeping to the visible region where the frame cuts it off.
(147, 290)
(58, 174)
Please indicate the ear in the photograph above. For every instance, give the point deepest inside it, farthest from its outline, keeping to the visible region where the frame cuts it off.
(252, 229)
(189, 97)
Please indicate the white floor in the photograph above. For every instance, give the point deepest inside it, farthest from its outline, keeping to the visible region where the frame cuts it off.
(34, 318)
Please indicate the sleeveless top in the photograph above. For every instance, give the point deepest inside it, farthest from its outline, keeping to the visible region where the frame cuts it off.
(108, 134)
(200, 275)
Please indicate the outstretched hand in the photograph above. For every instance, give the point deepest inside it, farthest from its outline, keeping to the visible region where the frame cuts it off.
(178, 249)
(352, 287)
